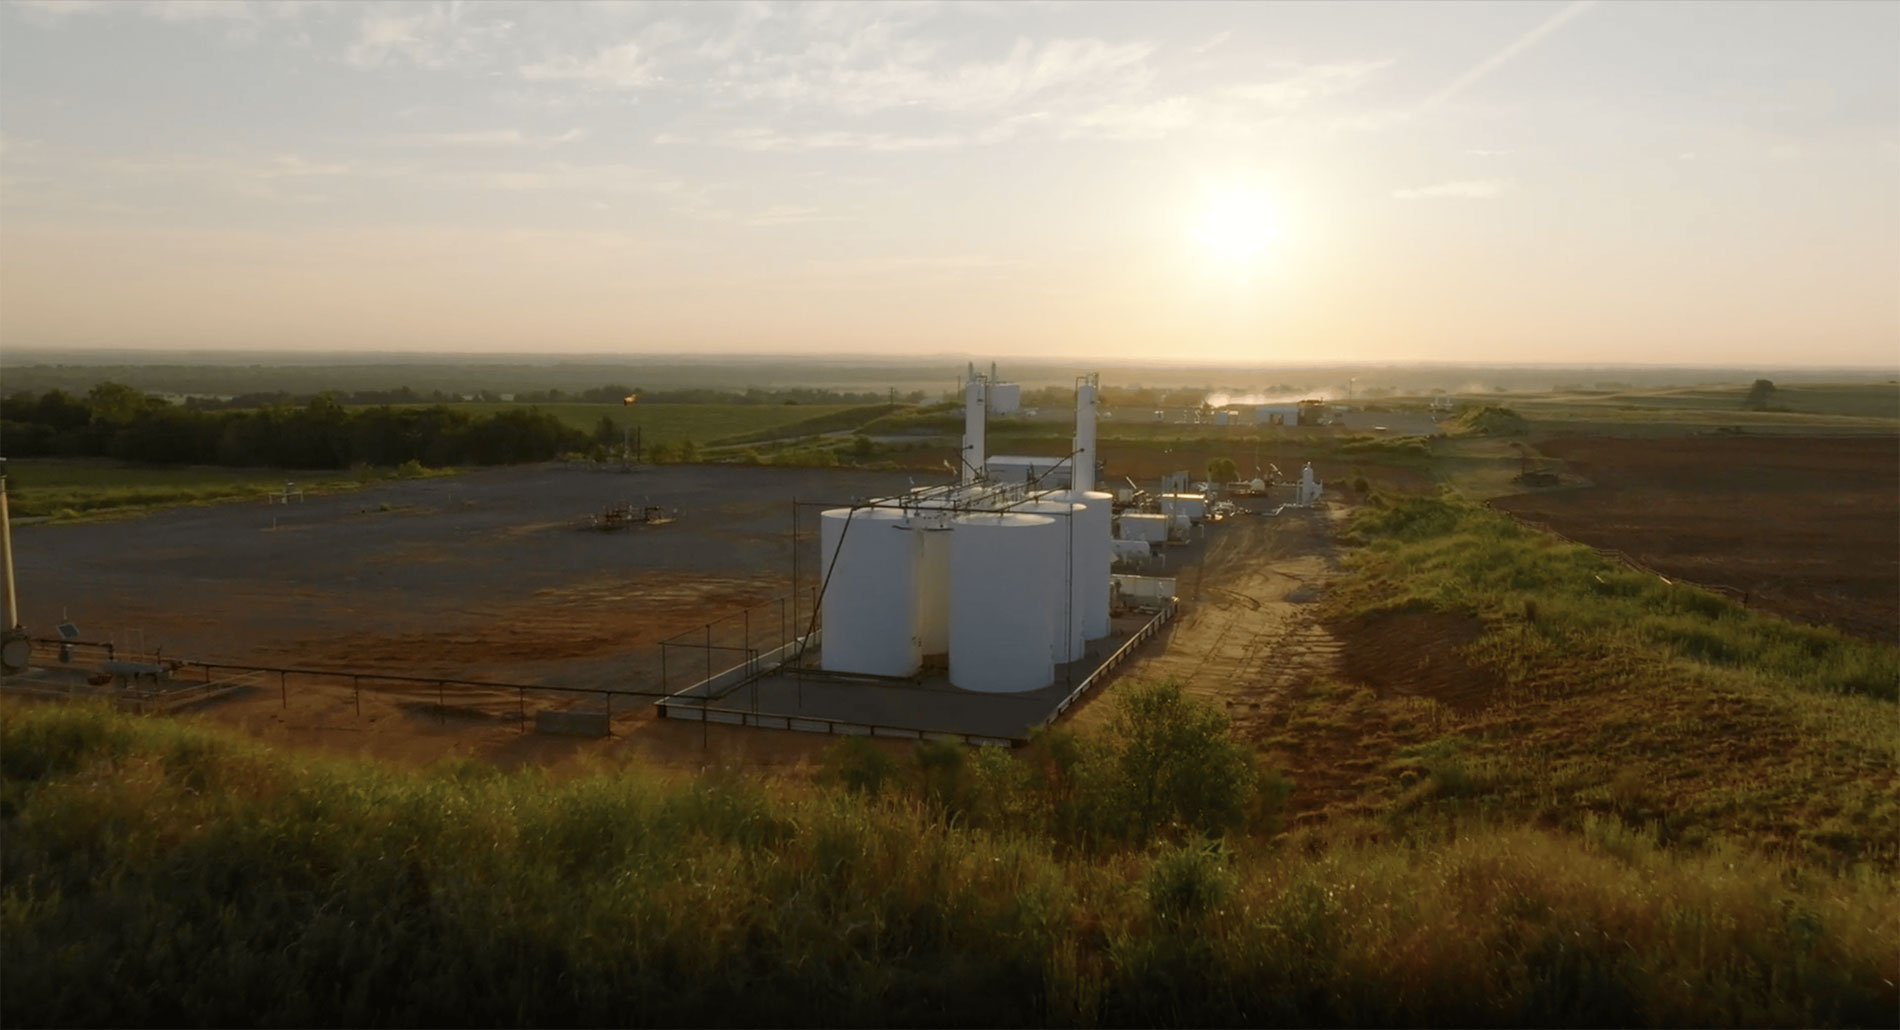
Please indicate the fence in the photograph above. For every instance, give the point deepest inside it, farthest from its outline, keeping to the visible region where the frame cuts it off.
(189, 681)
(737, 646)
(693, 703)
(682, 709)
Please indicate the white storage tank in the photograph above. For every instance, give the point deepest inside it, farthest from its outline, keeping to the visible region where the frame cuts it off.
(1066, 601)
(1094, 530)
(870, 604)
(1001, 567)
(933, 582)
(1139, 526)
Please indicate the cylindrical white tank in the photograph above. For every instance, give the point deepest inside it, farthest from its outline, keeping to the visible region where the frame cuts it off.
(933, 582)
(1309, 486)
(1066, 603)
(1094, 528)
(870, 601)
(1000, 570)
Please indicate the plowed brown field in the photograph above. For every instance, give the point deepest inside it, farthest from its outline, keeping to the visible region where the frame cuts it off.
(1806, 527)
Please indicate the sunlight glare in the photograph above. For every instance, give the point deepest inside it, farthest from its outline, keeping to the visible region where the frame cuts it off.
(1238, 225)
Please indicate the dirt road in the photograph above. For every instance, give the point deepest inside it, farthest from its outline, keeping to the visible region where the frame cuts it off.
(1247, 626)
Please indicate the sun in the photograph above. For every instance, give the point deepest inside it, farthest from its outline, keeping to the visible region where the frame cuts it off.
(1238, 225)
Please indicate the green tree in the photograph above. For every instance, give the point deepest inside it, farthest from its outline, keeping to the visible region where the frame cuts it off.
(1222, 470)
(1176, 767)
(1760, 395)
(116, 404)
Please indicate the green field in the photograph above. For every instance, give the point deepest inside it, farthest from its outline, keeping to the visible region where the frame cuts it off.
(72, 488)
(700, 424)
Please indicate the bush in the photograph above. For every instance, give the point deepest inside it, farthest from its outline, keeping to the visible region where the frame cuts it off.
(1187, 881)
(859, 766)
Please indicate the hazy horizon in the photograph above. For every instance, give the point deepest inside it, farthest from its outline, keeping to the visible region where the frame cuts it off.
(1268, 185)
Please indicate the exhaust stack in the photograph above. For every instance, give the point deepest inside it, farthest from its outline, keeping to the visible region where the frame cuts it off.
(975, 407)
(1084, 461)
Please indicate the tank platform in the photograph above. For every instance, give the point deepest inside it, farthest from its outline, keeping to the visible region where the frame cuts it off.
(918, 707)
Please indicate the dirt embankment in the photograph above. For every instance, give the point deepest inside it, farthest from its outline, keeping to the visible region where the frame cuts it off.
(1805, 527)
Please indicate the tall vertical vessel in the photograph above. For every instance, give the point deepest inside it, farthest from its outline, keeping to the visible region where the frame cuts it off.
(1064, 600)
(869, 564)
(1000, 570)
(1095, 523)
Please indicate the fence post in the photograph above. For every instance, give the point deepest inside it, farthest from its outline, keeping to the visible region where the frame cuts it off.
(521, 708)
(282, 686)
(441, 704)
(609, 698)
(356, 689)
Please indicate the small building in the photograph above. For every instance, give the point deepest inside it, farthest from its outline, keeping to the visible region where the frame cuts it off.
(1005, 398)
(1050, 473)
(1276, 415)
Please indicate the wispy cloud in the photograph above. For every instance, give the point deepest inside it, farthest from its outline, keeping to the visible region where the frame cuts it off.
(626, 66)
(1462, 189)
(762, 139)
(490, 138)
(433, 38)
(1308, 84)
(862, 81)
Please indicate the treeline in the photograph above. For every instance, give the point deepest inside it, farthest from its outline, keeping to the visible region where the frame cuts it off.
(609, 394)
(117, 421)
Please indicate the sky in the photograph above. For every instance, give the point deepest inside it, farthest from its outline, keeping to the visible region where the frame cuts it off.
(1674, 183)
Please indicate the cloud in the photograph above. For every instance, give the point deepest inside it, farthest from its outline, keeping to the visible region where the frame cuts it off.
(491, 138)
(619, 67)
(1152, 120)
(1462, 189)
(52, 12)
(432, 38)
(1308, 84)
(762, 139)
(858, 78)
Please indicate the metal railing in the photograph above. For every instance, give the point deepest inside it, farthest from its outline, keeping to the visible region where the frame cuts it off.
(1122, 654)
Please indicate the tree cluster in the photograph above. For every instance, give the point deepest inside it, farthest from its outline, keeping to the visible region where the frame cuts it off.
(117, 421)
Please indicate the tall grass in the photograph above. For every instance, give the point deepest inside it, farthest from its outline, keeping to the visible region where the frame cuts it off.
(157, 873)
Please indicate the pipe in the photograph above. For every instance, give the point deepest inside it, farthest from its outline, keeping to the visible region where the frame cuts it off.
(975, 400)
(1083, 474)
